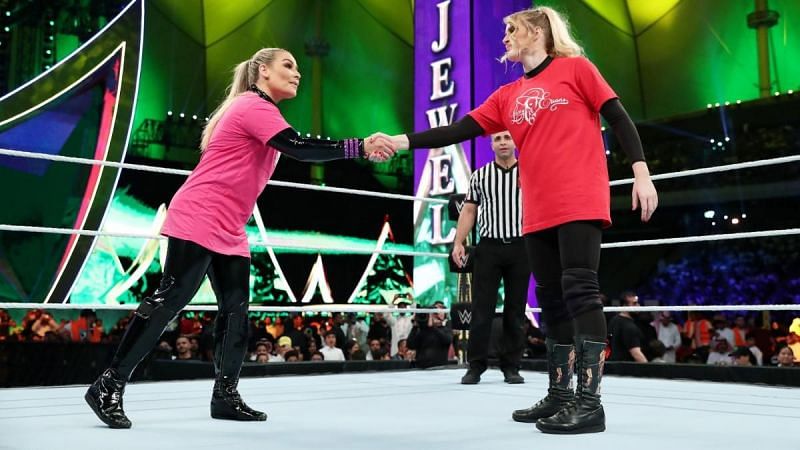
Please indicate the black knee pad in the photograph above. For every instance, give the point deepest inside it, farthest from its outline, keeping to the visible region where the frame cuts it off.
(581, 291)
(549, 297)
(157, 303)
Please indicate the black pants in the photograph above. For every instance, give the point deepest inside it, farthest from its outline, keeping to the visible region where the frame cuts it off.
(564, 261)
(186, 266)
(495, 261)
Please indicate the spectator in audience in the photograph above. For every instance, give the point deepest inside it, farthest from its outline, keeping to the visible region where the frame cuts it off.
(379, 329)
(330, 351)
(381, 355)
(402, 349)
(625, 336)
(284, 346)
(743, 357)
(340, 327)
(296, 332)
(750, 343)
(793, 338)
(374, 346)
(740, 332)
(85, 328)
(317, 356)
(699, 330)
(657, 349)
(42, 325)
(430, 338)
(183, 348)
(720, 354)
(163, 350)
(536, 348)
(723, 331)
(785, 357)
(668, 334)
(6, 325)
(399, 322)
(291, 356)
(358, 331)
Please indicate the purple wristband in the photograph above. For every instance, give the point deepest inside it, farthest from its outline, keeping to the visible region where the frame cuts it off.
(351, 149)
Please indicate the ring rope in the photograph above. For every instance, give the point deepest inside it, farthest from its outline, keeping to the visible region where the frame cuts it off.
(31, 229)
(361, 308)
(167, 170)
(156, 169)
(715, 169)
(640, 243)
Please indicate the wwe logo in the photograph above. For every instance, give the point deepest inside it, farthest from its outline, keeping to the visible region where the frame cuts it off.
(465, 316)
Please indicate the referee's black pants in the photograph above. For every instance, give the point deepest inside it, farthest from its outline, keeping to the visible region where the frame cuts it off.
(495, 260)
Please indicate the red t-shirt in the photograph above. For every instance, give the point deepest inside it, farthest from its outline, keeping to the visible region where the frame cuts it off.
(555, 122)
(213, 206)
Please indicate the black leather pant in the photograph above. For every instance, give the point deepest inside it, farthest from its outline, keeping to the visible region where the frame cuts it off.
(186, 265)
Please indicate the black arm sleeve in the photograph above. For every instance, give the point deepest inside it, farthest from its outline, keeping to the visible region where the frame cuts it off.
(461, 130)
(622, 125)
(301, 148)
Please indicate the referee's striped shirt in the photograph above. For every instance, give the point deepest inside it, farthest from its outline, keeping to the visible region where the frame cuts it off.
(496, 192)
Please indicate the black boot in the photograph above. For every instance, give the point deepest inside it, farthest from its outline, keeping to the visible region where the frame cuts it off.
(560, 366)
(586, 414)
(226, 403)
(230, 345)
(105, 394)
(105, 398)
(473, 376)
(511, 375)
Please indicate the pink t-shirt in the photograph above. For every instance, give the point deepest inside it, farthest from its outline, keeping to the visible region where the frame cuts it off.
(216, 201)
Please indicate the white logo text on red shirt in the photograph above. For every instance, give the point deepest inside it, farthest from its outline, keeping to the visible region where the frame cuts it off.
(531, 102)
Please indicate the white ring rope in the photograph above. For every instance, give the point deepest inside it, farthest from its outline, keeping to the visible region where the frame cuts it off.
(167, 170)
(640, 243)
(710, 237)
(715, 169)
(30, 229)
(156, 169)
(362, 308)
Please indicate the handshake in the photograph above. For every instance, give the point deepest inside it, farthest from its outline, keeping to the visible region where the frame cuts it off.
(379, 147)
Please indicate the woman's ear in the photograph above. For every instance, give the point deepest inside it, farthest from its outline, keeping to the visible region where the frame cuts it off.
(263, 70)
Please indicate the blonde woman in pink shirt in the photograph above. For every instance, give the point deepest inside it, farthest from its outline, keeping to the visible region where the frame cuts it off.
(206, 229)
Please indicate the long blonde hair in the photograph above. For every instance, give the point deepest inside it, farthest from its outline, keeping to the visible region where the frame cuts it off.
(558, 39)
(244, 75)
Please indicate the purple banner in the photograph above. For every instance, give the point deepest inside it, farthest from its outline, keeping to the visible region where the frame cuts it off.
(442, 67)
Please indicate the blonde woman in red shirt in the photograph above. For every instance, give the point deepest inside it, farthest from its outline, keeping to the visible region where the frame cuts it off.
(553, 114)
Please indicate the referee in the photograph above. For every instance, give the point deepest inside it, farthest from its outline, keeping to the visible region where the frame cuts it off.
(494, 198)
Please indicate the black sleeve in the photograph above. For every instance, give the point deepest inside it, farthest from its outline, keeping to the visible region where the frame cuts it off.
(463, 129)
(301, 148)
(622, 125)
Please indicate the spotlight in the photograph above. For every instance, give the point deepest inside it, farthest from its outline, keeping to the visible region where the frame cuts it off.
(602, 128)
(716, 105)
(709, 214)
(6, 29)
(608, 152)
(777, 93)
(727, 139)
(169, 113)
(727, 103)
(726, 217)
(712, 141)
(51, 23)
(194, 116)
(182, 115)
(713, 224)
(744, 216)
(719, 144)
(738, 102)
(790, 92)
(735, 221)
(709, 106)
